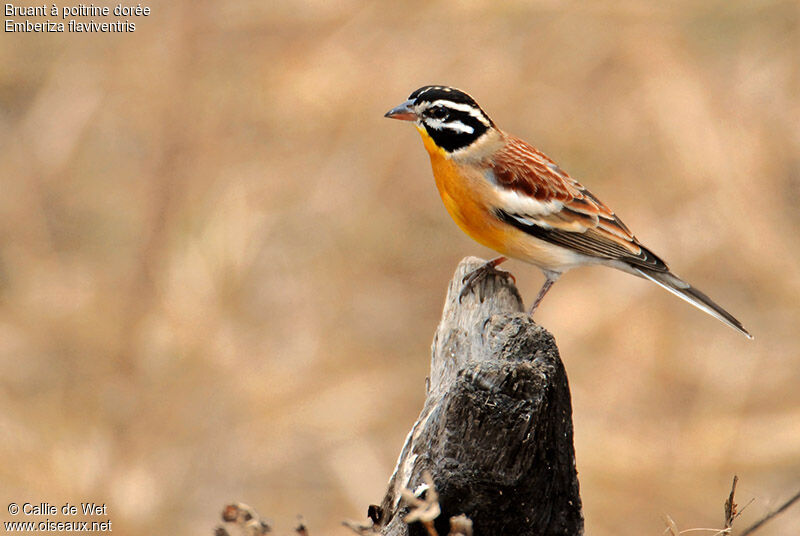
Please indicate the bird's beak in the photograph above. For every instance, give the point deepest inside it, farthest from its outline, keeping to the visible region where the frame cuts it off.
(404, 112)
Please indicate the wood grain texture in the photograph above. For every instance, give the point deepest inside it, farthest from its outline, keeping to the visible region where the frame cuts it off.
(496, 427)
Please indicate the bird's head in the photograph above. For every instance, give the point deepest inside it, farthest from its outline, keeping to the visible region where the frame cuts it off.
(449, 116)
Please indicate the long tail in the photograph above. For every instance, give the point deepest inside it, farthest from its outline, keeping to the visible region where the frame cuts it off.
(687, 292)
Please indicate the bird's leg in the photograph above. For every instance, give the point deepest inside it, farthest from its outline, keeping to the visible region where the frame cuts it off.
(481, 273)
(550, 278)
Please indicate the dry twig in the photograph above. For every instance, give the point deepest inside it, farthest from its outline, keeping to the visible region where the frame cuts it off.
(460, 526)
(301, 526)
(423, 510)
(246, 518)
(731, 513)
(424, 503)
(672, 527)
(730, 506)
(369, 527)
(362, 529)
(755, 526)
(250, 522)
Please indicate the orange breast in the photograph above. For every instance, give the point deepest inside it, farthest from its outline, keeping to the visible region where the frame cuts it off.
(461, 195)
(469, 196)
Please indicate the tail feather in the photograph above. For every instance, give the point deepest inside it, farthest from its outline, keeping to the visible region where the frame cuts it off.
(687, 292)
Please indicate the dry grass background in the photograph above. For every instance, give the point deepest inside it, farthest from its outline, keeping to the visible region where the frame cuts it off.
(221, 268)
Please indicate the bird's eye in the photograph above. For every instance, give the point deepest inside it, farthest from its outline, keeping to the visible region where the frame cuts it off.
(438, 113)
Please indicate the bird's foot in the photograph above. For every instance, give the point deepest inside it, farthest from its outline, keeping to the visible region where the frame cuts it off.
(550, 278)
(477, 276)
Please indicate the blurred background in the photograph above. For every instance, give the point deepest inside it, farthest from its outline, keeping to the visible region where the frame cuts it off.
(221, 268)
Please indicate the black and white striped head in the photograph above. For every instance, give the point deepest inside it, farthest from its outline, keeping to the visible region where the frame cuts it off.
(450, 117)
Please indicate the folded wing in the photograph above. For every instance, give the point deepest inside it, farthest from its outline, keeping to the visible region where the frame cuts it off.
(537, 197)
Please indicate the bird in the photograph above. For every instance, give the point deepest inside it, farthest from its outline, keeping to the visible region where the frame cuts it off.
(510, 197)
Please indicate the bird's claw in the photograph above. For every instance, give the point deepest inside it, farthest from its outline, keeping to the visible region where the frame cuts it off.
(478, 275)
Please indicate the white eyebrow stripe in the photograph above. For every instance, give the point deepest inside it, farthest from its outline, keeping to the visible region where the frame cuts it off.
(461, 107)
(457, 126)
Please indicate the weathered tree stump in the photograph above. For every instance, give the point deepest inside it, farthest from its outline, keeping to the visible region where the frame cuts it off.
(496, 428)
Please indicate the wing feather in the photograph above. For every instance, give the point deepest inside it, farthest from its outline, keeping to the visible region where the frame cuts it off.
(539, 198)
